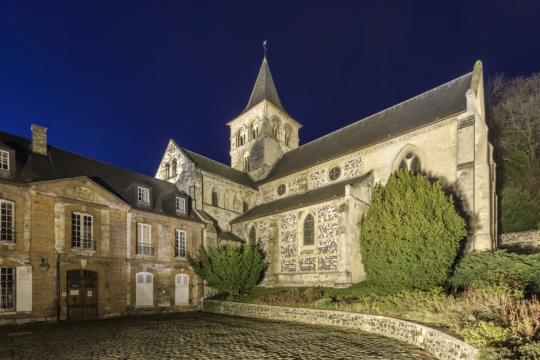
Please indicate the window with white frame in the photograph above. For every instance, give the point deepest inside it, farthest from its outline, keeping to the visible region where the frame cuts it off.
(4, 160)
(7, 223)
(7, 288)
(82, 231)
(144, 239)
(143, 195)
(180, 248)
(180, 205)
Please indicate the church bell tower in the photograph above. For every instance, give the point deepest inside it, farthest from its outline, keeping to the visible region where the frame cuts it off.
(264, 131)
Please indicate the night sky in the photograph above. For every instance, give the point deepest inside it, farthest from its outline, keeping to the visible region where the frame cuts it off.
(115, 80)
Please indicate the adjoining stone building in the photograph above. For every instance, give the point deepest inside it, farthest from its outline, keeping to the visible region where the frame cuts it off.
(303, 203)
(83, 239)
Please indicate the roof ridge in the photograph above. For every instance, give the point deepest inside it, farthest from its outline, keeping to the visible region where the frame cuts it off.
(207, 158)
(56, 148)
(382, 111)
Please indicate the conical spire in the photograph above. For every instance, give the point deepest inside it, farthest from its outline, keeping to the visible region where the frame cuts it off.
(264, 88)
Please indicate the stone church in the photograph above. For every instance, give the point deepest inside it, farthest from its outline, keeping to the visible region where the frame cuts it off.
(302, 203)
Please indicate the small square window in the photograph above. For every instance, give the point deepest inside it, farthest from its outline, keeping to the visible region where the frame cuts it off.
(4, 160)
(180, 205)
(143, 195)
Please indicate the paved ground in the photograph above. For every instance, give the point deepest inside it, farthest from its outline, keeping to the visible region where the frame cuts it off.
(196, 336)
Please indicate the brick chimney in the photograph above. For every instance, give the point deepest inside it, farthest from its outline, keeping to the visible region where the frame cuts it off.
(39, 139)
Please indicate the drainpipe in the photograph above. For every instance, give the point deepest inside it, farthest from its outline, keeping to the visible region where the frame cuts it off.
(58, 286)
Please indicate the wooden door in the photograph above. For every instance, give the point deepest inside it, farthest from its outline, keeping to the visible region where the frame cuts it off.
(182, 289)
(82, 297)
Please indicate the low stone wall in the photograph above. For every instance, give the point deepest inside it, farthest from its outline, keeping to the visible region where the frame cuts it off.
(441, 345)
(527, 241)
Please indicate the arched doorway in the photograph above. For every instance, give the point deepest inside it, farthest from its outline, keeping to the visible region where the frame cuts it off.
(82, 296)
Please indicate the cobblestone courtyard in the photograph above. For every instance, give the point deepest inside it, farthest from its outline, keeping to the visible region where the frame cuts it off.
(195, 336)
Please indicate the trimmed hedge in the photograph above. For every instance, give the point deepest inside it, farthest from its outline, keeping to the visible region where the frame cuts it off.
(496, 268)
(231, 269)
(411, 233)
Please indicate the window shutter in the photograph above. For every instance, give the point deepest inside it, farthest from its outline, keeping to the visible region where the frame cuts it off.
(24, 288)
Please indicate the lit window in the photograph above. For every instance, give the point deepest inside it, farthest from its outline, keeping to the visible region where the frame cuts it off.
(7, 228)
(309, 230)
(144, 239)
(334, 173)
(180, 248)
(7, 288)
(281, 189)
(4, 160)
(143, 195)
(180, 205)
(82, 231)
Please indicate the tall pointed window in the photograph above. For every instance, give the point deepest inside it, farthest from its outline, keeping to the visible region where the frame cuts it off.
(215, 197)
(174, 164)
(411, 162)
(167, 171)
(252, 235)
(246, 163)
(309, 230)
(237, 204)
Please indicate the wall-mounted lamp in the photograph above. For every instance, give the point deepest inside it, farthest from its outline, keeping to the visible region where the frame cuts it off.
(44, 266)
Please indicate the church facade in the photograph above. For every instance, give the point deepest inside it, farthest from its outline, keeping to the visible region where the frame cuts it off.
(303, 203)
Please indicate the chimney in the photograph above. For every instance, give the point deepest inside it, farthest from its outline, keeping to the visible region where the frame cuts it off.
(39, 139)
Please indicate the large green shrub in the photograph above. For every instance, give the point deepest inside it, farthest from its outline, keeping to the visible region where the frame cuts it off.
(519, 210)
(231, 269)
(411, 233)
(497, 268)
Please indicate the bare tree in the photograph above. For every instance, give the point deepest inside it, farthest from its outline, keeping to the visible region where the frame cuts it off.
(515, 117)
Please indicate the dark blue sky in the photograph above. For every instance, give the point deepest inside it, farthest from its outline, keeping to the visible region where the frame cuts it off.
(115, 80)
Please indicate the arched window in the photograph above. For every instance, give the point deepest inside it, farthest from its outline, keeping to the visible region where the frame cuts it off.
(287, 135)
(167, 171)
(254, 130)
(411, 162)
(275, 127)
(309, 230)
(252, 235)
(173, 167)
(215, 197)
(245, 206)
(241, 140)
(246, 162)
(236, 204)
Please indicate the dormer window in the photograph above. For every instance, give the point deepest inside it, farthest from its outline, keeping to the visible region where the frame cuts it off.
(4, 160)
(180, 205)
(143, 195)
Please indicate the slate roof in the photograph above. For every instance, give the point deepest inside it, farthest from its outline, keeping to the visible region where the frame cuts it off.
(264, 88)
(438, 103)
(215, 167)
(307, 198)
(61, 164)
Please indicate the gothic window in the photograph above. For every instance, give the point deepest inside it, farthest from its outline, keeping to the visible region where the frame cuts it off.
(173, 167)
(7, 288)
(7, 224)
(252, 236)
(254, 130)
(309, 230)
(334, 173)
(167, 171)
(246, 163)
(236, 204)
(245, 206)
(275, 127)
(287, 135)
(411, 162)
(180, 247)
(281, 189)
(4, 160)
(214, 197)
(82, 231)
(241, 137)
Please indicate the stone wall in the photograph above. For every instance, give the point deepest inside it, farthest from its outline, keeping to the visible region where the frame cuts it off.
(527, 241)
(441, 345)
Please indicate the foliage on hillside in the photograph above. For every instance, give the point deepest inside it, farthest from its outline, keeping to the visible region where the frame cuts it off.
(411, 233)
